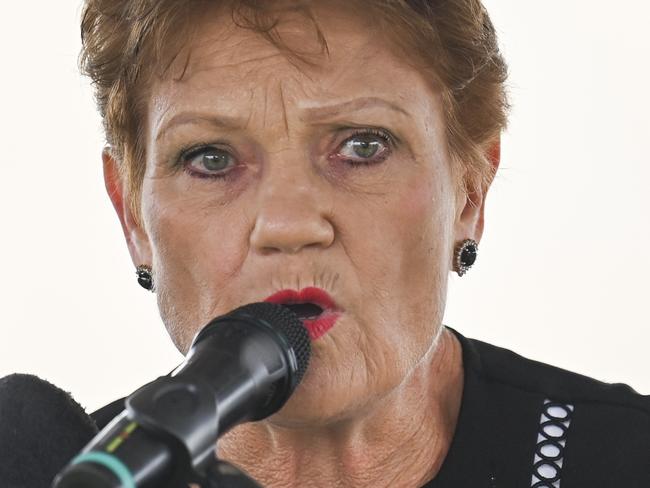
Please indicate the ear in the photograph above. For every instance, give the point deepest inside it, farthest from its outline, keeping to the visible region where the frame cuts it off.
(136, 238)
(471, 208)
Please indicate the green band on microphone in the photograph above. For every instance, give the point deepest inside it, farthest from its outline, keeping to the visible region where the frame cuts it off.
(117, 467)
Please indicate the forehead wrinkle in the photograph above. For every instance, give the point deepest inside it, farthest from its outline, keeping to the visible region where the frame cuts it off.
(284, 109)
(250, 112)
(228, 49)
(161, 106)
(264, 67)
(257, 64)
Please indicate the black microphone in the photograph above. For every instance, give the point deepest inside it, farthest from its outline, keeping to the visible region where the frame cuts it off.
(242, 366)
(41, 429)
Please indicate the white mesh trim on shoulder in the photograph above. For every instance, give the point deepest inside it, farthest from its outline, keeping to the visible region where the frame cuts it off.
(551, 441)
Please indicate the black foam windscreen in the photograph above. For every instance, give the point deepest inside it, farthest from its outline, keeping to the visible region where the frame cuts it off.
(283, 320)
(41, 429)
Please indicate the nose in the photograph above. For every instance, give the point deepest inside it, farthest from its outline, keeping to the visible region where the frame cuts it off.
(292, 213)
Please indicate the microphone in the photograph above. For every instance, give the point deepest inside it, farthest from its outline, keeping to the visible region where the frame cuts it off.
(41, 428)
(242, 366)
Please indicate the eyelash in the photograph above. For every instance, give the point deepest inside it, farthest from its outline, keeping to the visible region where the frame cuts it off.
(188, 153)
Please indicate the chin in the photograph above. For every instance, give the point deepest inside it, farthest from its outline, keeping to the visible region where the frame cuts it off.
(323, 400)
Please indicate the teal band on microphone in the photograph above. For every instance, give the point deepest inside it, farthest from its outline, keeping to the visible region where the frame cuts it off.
(117, 467)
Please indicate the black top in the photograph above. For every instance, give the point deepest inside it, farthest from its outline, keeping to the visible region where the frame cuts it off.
(524, 423)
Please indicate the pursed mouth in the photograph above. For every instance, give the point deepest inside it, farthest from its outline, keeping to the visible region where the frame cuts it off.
(308, 303)
(314, 307)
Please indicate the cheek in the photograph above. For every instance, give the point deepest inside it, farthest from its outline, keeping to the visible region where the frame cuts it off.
(195, 260)
(425, 214)
(425, 223)
(198, 233)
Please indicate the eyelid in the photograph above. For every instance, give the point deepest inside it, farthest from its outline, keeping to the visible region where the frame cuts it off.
(392, 143)
(375, 131)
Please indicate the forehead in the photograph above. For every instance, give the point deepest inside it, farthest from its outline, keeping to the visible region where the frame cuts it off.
(238, 72)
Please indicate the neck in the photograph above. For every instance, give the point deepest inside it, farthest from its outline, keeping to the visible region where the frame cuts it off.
(402, 442)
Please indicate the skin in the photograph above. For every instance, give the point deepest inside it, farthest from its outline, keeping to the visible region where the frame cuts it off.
(379, 403)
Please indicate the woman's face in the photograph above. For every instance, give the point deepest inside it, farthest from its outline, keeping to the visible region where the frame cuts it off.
(337, 178)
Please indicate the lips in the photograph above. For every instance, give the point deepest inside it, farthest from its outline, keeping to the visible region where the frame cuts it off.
(316, 326)
(311, 294)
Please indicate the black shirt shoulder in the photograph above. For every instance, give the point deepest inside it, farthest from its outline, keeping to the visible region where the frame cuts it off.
(533, 424)
(502, 365)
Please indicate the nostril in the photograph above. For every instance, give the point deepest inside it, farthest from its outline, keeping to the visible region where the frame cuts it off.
(304, 310)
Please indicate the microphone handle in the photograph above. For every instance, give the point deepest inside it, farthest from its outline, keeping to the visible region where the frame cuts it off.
(149, 467)
(145, 461)
(239, 368)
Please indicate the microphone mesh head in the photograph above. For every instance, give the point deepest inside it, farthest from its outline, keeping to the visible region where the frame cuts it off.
(288, 324)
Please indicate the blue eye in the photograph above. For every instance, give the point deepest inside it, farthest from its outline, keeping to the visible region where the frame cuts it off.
(370, 146)
(207, 162)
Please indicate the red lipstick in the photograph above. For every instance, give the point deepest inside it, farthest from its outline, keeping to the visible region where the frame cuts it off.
(321, 324)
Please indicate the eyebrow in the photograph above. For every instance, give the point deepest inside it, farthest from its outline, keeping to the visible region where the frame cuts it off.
(320, 113)
(314, 114)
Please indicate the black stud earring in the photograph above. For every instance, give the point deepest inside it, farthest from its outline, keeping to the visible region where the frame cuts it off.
(145, 277)
(465, 256)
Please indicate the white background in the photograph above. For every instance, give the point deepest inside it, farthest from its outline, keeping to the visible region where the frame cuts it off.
(563, 269)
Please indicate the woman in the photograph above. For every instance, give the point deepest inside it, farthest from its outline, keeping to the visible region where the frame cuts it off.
(341, 156)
